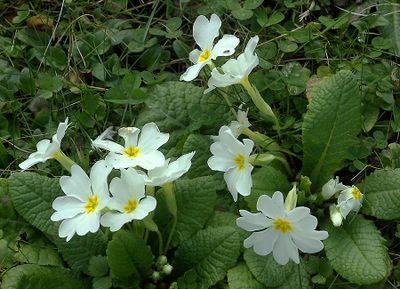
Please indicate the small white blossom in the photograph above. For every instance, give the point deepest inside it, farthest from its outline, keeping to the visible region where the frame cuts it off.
(46, 149)
(85, 198)
(331, 187)
(242, 122)
(138, 150)
(204, 33)
(280, 232)
(129, 201)
(235, 70)
(169, 172)
(232, 157)
(349, 199)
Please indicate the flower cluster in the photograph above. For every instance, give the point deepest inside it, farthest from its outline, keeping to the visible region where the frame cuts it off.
(349, 198)
(90, 200)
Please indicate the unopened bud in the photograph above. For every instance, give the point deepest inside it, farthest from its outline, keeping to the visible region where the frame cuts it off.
(162, 260)
(291, 199)
(167, 269)
(156, 276)
(336, 216)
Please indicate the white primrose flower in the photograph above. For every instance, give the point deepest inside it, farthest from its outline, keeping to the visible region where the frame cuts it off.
(331, 187)
(46, 149)
(235, 70)
(169, 172)
(204, 33)
(280, 232)
(138, 150)
(128, 201)
(242, 122)
(85, 197)
(349, 199)
(232, 157)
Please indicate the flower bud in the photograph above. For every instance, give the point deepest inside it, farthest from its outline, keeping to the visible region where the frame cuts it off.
(156, 276)
(167, 269)
(336, 216)
(162, 260)
(291, 199)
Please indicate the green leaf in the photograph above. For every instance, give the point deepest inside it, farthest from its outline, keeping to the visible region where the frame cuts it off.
(252, 4)
(275, 18)
(127, 91)
(195, 200)
(200, 144)
(242, 14)
(102, 282)
(381, 191)
(392, 31)
(330, 126)
(180, 106)
(266, 270)
(266, 181)
(129, 255)
(207, 257)
(32, 196)
(357, 252)
(240, 277)
(287, 46)
(48, 82)
(30, 276)
(39, 254)
(98, 266)
(295, 77)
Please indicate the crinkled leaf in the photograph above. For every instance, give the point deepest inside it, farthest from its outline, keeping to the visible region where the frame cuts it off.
(128, 255)
(30, 276)
(240, 277)
(382, 194)
(200, 144)
(330, 126)
(266, 181)
(32, 196)
(266, 270)
(98, 266)
(357, 252)
(207, 257)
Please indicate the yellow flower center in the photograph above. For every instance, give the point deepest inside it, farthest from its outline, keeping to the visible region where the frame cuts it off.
(131, 152)
(356, 193)
(130, 206)
(204, 56)
(239, 161)
(282, 226)
(91, 204)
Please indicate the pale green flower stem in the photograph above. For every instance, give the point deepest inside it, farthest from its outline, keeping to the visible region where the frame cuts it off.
(65, 161)
(266, 158)
(172, 208)
(259, 102)
(262, 140)
(150, 224)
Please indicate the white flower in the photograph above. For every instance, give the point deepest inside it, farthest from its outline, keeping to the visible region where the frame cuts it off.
(169, 172)
(46, 149)
(204, 33)
(331, 187)
(128, 201)
(349, 199)
(85, 198)
(280, 232)
(138, 150)
(232, 157)
(242, 122)
(235, 70)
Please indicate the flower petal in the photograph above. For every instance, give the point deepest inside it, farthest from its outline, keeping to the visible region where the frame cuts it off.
(114, 221)
(77, 185)
(194, 55)
(66, 207)
(62, 127)
(151, 138)
(193, 71)
(291, 248)
(134, 184)
(119, 161)
(204, 31)
(130, 135)
(89, 223)
(225, 46)
(297, 214)
(220, 164)
(262, 242)
(230, 178)
(244, 181)
(280, 252)
(98, 178)
(252, 221)
(271, 207)
(150, 160)
(144, 207)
